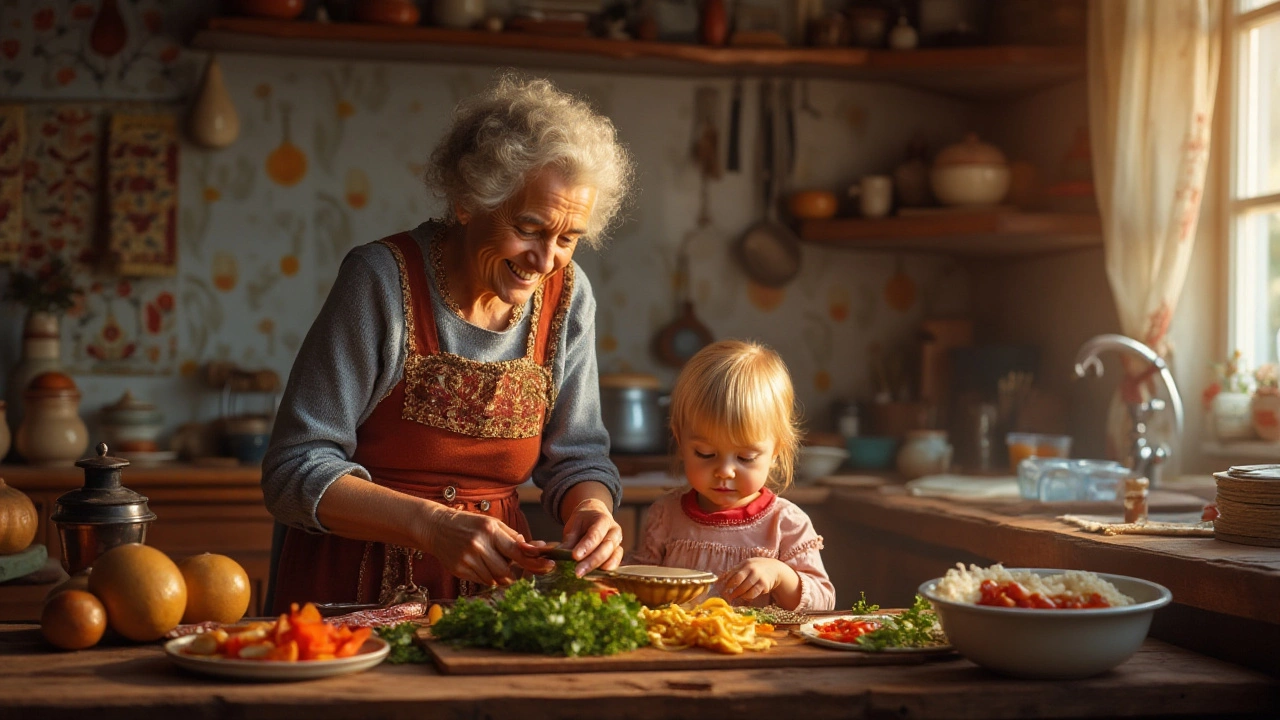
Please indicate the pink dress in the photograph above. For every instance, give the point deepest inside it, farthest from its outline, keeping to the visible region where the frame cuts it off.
(679, 533)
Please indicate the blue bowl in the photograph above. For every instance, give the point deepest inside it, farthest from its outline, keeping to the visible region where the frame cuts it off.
(872, 452)
(248, 448)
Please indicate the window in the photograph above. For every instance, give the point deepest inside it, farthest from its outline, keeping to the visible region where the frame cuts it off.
(1253, 205)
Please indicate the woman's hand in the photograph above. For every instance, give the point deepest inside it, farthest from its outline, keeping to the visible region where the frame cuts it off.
(759, 577)
(477, 547)
(594, 537)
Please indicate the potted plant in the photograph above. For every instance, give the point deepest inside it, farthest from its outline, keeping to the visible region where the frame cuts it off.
(1229, 399)
(1266, 402)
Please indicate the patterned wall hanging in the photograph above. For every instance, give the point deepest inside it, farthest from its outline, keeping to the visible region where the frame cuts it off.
(60, 193)
(12, 142)
(142, 187)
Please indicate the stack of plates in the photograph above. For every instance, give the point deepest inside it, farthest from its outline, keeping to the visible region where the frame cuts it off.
(1249, 505)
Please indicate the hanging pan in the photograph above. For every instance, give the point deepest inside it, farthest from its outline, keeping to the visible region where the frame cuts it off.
(768, 251)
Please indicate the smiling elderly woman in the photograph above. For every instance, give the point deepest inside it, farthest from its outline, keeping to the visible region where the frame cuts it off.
(451, 363)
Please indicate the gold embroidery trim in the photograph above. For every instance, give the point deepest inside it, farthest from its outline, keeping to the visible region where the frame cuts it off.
(509, 399)
(555, 333)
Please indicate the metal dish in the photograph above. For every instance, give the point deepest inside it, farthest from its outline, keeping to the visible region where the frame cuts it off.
(656, 586)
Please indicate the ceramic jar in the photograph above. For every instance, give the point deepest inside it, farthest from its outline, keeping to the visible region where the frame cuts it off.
(970, 173)
(41, 352)
(903, 36)
(925, 452)
(457, 14)
(1265, 409)
(52, 432)
(1232, 416)
(130, 425)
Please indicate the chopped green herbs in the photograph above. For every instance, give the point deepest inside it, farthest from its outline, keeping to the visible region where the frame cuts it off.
(862, 607)
(916, 627)
(563, 579)
(525, 620)
(403, 649)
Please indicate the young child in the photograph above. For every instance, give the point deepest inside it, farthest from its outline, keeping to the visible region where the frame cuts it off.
(734, 421)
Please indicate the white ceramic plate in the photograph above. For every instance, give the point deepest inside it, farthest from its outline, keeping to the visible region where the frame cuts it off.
(373, 651)
(811, 635)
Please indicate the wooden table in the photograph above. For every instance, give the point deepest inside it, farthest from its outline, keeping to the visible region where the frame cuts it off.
(137, 681)
(1225, 595)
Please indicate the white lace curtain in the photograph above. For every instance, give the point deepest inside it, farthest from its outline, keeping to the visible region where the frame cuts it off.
(1153, 73)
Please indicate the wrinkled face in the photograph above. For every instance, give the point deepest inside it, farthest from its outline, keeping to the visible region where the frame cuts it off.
(724, 474)
(512, 249)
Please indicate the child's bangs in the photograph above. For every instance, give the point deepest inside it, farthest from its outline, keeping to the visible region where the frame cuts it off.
(736, 412)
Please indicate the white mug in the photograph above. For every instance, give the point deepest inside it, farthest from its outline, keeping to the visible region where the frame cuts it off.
(875, 195)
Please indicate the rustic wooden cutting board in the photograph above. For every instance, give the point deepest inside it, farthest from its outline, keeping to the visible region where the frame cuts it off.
(790, 651)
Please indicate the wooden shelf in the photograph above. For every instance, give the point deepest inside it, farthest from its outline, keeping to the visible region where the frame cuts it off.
(978, 72)
(974, 234)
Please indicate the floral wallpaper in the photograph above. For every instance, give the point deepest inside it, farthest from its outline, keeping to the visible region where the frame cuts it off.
(330, 155)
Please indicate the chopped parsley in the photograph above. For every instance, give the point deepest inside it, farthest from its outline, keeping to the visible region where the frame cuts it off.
(526, 620)
(403, 648)
(916, 627)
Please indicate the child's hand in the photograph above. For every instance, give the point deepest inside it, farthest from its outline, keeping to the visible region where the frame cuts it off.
(757, 577)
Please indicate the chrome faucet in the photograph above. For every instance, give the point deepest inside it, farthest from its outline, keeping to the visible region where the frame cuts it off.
(1144, 459)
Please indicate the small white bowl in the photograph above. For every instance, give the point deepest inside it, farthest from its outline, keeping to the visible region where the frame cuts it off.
(1051, 644)
(817, 461)
(970, 185)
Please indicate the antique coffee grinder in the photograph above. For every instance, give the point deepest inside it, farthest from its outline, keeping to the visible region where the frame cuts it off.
(100, 515)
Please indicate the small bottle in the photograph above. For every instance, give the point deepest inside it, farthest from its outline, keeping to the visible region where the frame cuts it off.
(847, 420)
(1135, 499)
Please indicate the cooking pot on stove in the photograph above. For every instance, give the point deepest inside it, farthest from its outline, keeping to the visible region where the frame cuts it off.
(634, 410)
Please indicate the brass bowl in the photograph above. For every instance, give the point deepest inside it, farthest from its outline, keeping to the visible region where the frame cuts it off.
(657, 586)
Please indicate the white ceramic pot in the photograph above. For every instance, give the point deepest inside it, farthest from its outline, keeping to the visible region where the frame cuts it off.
(41, 352)
(925, 452)
(1232, 416)
(970, 185)
(130, 425)
(1265, 413)
(52, 432)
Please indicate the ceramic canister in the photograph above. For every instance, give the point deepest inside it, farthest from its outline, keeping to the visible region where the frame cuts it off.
(926, 452)
(52, 432)
(130, 425)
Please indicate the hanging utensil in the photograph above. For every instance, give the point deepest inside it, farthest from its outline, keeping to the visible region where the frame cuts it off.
(735, 121)
(680, 339)
(768, 250)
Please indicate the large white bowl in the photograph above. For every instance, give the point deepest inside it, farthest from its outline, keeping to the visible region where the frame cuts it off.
(1051, 644)
(817, 461)
(970, 185)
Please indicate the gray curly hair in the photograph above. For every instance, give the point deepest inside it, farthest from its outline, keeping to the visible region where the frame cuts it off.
(501, 136)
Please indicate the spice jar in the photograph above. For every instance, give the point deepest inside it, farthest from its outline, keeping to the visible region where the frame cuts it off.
(100, 515)
(51, 432)
(1135, 499)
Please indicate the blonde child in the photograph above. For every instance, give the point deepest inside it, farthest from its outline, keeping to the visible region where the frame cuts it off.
(733, 418)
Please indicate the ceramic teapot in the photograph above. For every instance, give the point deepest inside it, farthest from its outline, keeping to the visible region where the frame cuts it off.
(925, 452)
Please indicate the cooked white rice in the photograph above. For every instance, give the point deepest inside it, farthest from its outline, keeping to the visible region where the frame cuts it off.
(961, 585)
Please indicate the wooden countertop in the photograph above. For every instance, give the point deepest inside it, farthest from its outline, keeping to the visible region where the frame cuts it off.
(140, 477)
(138, 681)
(1237, 580)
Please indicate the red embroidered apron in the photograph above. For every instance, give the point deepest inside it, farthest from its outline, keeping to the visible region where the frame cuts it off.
(460, 432)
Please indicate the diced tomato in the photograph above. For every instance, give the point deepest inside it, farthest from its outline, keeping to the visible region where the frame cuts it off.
(845, 630)
(1012, 594)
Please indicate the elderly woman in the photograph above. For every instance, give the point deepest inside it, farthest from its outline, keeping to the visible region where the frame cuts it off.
(453, 362)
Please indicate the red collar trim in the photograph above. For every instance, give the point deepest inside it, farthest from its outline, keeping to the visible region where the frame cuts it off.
(732, 516)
